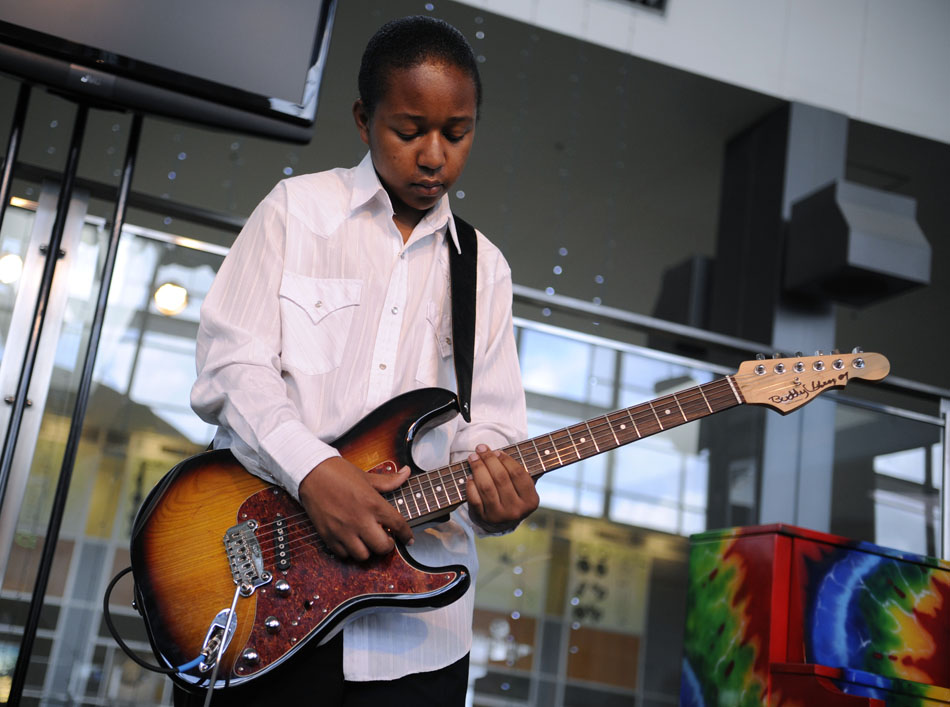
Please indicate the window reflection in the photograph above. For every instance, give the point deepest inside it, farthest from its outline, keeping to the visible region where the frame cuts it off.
(658, 482)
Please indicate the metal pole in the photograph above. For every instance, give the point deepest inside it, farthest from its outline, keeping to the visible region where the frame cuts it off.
(75, 429)
(945, 480)
(42, 299)
(13, 147)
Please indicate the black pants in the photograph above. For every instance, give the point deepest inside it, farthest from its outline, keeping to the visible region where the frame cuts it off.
(315, 677)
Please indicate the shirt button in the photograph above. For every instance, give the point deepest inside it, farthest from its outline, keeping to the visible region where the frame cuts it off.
(448, 341)
(382, 366)
(395, 310)
(318, 303)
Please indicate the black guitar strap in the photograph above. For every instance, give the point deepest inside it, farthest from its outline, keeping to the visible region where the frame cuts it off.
(462, 270)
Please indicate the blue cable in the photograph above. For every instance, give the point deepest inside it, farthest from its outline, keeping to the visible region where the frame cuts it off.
(188, 666)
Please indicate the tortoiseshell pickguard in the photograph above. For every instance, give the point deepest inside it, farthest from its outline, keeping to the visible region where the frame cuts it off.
(325, 590)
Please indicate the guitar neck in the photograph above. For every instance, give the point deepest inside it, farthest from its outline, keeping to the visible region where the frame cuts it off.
(434, 493)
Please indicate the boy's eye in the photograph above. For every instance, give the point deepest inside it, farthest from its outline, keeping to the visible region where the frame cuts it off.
(407, 136)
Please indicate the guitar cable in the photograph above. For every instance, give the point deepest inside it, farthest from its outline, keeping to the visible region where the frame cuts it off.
(107, 617)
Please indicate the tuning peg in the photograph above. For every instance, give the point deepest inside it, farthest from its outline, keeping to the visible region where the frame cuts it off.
(760, 357)
(857, 350)
(798, 354)
(776, 355)
(835, 352)
(819, 352)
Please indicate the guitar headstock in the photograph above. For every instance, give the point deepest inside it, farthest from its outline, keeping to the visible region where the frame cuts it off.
(785, 384)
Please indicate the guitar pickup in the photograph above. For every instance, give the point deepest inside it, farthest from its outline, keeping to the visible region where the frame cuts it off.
(281, 546)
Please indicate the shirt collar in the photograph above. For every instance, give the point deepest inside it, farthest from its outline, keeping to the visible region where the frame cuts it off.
(366, 187)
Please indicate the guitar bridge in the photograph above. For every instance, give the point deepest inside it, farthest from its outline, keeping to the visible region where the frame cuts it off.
(245, 558)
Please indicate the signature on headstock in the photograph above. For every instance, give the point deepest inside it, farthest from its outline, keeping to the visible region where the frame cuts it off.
(801, 391)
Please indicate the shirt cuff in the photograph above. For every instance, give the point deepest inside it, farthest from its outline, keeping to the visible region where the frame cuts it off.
(294, 451)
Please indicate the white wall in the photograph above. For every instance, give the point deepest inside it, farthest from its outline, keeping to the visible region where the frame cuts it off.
(885, 62)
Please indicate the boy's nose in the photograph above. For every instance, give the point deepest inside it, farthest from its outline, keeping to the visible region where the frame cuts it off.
(431, 155)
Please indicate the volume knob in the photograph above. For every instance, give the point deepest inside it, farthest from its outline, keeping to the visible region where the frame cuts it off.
(282, 587)
(251, 656)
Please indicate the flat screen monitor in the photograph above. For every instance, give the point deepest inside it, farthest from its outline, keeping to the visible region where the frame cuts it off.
(241, 65)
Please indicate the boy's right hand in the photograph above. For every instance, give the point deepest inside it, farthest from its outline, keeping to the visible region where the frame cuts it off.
(350, 515)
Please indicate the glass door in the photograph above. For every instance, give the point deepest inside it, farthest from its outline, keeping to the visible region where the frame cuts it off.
(137, 426)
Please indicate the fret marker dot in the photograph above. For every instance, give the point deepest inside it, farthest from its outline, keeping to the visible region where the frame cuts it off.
(583, 439)
(461, 481)
(666, 412)
(623, 427)
(398, 501)
(439, 489)
(418, 495)
(547, 451)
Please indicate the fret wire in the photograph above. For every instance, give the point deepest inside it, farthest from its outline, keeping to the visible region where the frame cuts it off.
(538, 453)
(658, 421)
(573, 444)
(456, 475)
(677, 401)
(422, 493)
(593, 438)
(700, 389)
(456, 478)
(733, 386)
(622, 426)
(634, 423)
(667, 411)
(556, 452)
(401, 507)
(438, 489)
(414, 497)
(432, 492)
(611, 428)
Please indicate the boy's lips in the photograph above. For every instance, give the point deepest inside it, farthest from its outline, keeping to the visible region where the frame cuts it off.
(427, 188)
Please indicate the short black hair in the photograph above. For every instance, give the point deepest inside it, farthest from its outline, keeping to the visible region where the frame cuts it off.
(407, 42)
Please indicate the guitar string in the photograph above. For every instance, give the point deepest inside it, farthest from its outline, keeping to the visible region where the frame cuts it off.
(602, 425)
(724, 392)
(416, 485)
(683, 398)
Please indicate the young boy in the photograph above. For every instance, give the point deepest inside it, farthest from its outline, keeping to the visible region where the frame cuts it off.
(336, 298)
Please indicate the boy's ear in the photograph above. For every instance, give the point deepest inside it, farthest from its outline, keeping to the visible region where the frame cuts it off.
(361, 117)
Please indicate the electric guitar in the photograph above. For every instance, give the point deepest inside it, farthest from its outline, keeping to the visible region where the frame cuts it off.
(210, 535)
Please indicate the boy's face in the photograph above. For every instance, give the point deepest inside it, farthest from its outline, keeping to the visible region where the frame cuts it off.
(420, 134)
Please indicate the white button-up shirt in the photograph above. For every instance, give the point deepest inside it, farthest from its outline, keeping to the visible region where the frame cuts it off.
(318, 315)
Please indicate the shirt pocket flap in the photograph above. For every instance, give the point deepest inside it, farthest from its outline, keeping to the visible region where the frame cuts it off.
(319, 297)
(441, 323)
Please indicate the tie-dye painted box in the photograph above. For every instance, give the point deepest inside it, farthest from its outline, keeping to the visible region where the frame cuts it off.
(784, 616)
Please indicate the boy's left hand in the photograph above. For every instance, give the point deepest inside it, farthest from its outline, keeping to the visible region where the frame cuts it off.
(501, 493)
